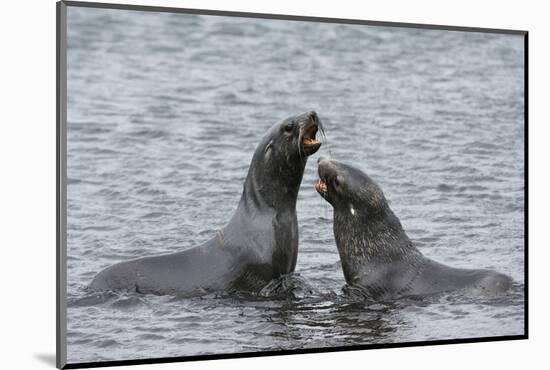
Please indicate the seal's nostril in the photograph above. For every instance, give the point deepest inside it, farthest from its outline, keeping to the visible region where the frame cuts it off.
(313, 116)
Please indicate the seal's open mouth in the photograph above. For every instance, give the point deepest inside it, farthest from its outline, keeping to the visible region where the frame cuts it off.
(309, 143)
(321, 187)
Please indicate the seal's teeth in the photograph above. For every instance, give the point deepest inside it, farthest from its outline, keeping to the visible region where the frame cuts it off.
(321, 186)
(310, 141)
(308, 137)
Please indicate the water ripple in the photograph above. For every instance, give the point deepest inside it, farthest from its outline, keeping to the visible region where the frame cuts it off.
(164, 112)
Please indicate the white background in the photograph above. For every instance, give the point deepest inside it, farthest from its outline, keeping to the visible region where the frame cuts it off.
(27, 193)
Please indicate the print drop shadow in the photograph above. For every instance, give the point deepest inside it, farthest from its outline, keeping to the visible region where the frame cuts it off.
(47, 358)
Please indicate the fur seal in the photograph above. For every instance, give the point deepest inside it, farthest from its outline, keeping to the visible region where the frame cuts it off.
(376, 254)
(260, 242)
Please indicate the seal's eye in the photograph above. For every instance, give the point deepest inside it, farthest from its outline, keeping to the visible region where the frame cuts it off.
(336, 183)
(289, 127)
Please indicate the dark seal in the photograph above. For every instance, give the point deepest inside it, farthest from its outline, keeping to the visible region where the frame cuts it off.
(376, 254)
(260, 242)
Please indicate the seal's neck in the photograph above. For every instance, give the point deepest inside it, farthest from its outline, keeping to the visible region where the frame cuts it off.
(272, 185)
(370, 240)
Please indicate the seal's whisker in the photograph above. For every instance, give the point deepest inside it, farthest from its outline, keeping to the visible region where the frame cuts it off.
(324, 140)
(323, 133)
(326, 208)
(299, 144)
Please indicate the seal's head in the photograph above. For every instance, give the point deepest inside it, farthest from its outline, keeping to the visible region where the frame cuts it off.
(279, 161)
(366, 231)
(294, 138)
(349, 189)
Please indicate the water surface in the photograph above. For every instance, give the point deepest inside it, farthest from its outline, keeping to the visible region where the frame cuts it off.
(165, 111)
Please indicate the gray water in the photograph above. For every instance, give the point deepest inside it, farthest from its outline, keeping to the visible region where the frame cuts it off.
(165, 111)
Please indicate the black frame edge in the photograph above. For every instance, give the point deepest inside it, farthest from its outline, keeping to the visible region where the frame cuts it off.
(289, 352)
(288, 17)
(526, 184)
(61, 145)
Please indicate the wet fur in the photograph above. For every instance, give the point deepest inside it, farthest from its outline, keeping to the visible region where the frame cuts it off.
(259, 243)
(376, 253)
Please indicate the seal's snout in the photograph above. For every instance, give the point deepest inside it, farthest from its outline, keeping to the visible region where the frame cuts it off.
(313, 116)
(325, 167)
(321, 187)
(308, 130)
(314, 120)
(326, 172)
